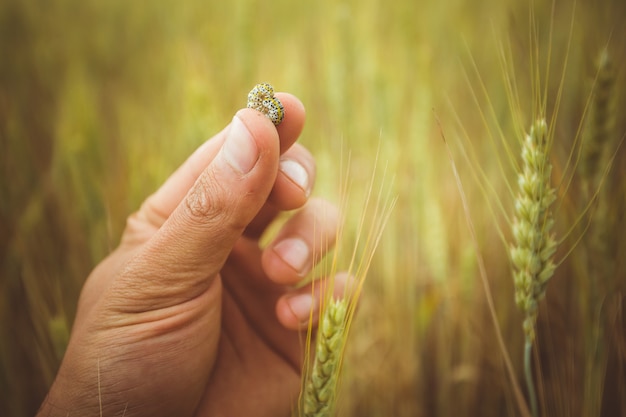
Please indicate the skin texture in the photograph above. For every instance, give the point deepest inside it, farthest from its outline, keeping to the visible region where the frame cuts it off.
(189, 316)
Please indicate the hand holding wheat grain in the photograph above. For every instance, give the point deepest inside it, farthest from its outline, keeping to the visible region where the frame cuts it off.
(189, 316)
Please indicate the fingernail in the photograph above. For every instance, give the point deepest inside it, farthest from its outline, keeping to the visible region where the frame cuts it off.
(300, 306)
(296, 172)
(239, 149)
(295, 253)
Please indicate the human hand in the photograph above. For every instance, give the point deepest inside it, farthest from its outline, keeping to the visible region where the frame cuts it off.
(189, 316)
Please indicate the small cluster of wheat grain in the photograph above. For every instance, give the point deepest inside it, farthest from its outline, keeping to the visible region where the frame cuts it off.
(534, 245)
(320, 391)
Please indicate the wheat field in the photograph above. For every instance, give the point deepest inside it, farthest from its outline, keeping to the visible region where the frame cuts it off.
(100, 101)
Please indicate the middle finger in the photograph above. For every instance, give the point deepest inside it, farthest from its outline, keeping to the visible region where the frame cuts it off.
(303, 240)
(293, 185)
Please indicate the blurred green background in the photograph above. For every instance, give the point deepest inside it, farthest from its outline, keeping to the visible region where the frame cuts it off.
(101, 100)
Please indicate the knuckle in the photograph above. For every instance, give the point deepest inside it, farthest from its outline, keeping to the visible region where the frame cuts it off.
(211, 203)
(207, 199)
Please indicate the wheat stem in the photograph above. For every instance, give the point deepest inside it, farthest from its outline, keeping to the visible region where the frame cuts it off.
(528, 373)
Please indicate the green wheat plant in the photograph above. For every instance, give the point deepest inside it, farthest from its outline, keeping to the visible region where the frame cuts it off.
(321, 376)
(600, 145)
(534, 244)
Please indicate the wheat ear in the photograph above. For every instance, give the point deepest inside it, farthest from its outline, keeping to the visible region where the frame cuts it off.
(598, 147)
(599, 129)
(321, 389)
(534, 245)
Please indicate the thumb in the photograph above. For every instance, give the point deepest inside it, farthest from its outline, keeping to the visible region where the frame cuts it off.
(183, 258)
